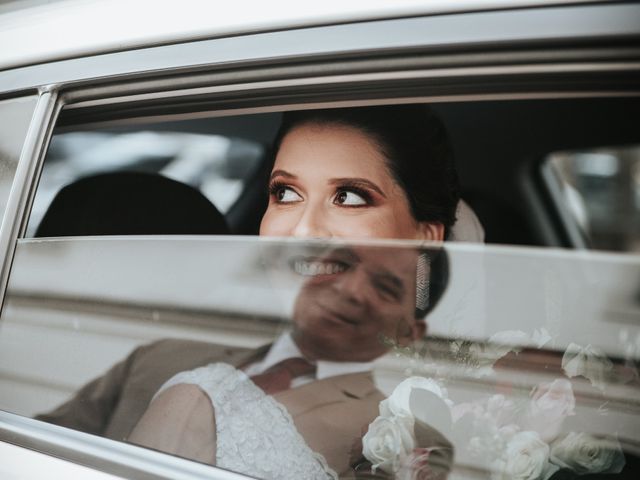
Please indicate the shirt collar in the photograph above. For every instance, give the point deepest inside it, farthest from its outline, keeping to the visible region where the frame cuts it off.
(284, 347)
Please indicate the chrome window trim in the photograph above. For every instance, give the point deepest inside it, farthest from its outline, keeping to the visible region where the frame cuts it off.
(24, 181)
(345, 80)
(443, 33)
(527, 62)
(231, 110)
(117, 458)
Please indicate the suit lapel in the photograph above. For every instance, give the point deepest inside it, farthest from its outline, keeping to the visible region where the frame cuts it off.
(340, 388)
(332, 414)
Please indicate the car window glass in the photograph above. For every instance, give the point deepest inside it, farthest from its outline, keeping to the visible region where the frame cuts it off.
(292, 358)
(216, 158)
(600, 188)
(501, 369)
(15, 116)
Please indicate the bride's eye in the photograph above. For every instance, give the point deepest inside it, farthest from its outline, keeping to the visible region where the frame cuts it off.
(350, 199)
(284, 194)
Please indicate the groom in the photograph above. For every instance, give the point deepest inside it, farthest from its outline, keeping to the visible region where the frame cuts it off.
(353, 301)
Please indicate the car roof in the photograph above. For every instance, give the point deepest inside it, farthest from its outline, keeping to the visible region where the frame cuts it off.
(63, 29)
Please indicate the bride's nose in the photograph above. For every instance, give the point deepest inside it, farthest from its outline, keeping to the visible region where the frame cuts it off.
(313, 222)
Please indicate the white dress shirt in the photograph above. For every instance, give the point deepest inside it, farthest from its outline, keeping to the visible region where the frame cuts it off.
(284, 347)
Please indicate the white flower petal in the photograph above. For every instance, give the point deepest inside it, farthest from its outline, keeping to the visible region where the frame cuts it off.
(584, 453)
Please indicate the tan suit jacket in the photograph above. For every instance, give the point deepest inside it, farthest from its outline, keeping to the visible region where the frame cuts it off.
(331, 414)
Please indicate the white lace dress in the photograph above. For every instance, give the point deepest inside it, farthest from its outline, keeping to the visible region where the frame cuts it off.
(255, 434)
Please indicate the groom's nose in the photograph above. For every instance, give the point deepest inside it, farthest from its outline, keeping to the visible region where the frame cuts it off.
(353, 285)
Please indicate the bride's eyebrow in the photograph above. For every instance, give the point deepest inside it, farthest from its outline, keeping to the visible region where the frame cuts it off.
(282, 173)
(356, 182)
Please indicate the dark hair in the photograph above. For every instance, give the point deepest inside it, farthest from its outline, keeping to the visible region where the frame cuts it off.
(416, 146)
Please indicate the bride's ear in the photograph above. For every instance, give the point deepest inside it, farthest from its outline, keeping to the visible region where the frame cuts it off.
(431, 231)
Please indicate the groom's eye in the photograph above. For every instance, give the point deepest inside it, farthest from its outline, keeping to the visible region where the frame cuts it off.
(388, 286)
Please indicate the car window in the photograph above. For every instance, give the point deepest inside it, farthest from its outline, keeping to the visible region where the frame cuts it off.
(217, 158)
(315, 358)
(503, 367)
(600, 189)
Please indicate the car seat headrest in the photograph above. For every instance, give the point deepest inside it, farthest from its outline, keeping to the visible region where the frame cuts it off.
(130, 203)
(467, 227)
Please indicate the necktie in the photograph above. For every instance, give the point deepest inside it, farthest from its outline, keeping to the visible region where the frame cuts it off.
(278, 377)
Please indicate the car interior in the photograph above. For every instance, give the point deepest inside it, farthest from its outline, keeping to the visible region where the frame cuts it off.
(130, 203)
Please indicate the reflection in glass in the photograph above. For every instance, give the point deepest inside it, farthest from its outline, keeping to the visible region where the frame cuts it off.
(532, 378)
(307, 398)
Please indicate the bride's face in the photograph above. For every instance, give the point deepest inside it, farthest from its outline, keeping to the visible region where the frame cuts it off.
(333, 181)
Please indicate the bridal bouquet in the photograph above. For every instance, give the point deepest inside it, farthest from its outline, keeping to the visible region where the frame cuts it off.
(523, 441)
(401, 443)
(418, 427)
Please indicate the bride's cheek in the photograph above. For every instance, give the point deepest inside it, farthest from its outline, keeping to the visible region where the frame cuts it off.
(272, 223)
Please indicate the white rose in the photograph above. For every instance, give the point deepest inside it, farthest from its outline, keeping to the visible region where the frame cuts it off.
(508, 431)
(589, 362)
(387, 442)
(491, 442)
(525, 457)
(500, 410)
(550, 404)
(398, 402)
(584, 453)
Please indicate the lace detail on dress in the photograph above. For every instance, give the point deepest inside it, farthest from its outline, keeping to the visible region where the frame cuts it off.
(255, 434)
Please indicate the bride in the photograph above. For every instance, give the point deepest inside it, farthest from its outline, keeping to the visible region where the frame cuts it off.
(372, 172)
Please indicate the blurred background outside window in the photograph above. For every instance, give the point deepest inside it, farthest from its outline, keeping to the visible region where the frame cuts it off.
(218, 165)
(601, 188)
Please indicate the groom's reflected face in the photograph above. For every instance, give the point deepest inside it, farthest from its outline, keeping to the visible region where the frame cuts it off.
(353, 298)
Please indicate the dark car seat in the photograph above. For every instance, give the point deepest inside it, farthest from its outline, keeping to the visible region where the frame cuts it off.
(130, 203)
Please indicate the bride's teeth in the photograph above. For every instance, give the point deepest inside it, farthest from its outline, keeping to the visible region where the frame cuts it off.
(312, 269)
